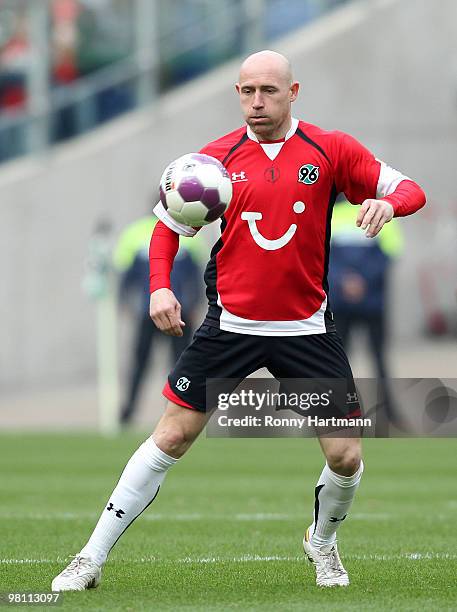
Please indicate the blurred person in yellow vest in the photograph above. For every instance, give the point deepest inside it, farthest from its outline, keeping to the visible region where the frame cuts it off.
(131, 259)
(359, 270)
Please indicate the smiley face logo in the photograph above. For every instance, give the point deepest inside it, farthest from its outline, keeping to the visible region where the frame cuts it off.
(266, 243)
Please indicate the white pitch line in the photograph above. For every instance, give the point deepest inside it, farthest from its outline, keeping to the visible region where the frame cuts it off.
(24, 561)
(411, 556)
(195, 516)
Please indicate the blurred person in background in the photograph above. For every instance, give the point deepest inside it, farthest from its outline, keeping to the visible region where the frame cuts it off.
(88, 36)
(14, 58)
(106, 38)
(65, 36)
(131, 259)
(359, 272)
(64, 63)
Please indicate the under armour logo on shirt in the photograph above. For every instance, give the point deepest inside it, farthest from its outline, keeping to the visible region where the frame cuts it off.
(238, 177)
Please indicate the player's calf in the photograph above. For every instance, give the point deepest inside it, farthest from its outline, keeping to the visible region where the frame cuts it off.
(138, 486)
(334, 494)
(136, 489)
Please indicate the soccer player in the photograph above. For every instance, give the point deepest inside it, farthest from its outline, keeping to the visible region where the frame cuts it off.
(267, 292)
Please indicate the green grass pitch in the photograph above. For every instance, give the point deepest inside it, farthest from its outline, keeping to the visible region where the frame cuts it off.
(225, 532)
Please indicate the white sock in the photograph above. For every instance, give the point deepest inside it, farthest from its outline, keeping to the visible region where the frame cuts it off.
(137, 488)
(333, 498)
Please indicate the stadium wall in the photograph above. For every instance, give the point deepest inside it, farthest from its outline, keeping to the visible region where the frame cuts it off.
(385, 71)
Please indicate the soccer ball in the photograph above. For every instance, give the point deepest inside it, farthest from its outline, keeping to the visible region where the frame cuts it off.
(195, 189)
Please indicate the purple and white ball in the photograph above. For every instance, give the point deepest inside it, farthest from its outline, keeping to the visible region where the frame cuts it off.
(195, 189)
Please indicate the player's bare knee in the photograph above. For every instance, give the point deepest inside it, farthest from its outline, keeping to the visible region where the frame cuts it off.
(173, 436)
(177, 429)
(172, 441)
(345, 462)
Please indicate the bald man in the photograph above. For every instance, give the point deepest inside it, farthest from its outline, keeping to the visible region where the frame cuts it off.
(268, 307)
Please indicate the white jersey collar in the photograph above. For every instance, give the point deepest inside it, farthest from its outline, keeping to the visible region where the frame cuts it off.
(290, 133)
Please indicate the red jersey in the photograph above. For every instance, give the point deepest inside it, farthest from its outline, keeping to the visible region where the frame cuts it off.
(268, 271)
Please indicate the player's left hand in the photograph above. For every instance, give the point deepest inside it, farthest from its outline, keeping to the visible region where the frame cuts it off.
(373, 214)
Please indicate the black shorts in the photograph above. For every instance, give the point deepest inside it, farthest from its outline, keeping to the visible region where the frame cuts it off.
(215, 353)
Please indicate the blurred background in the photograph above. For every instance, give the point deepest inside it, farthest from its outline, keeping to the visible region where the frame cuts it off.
(97, 96)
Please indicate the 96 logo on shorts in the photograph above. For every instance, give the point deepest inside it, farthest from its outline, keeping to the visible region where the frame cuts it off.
(183, 383)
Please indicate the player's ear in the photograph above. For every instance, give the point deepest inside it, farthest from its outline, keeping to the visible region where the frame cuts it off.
(294, 91)
(238, 88)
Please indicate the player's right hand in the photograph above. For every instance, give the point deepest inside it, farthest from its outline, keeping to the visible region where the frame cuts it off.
(165, 311)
